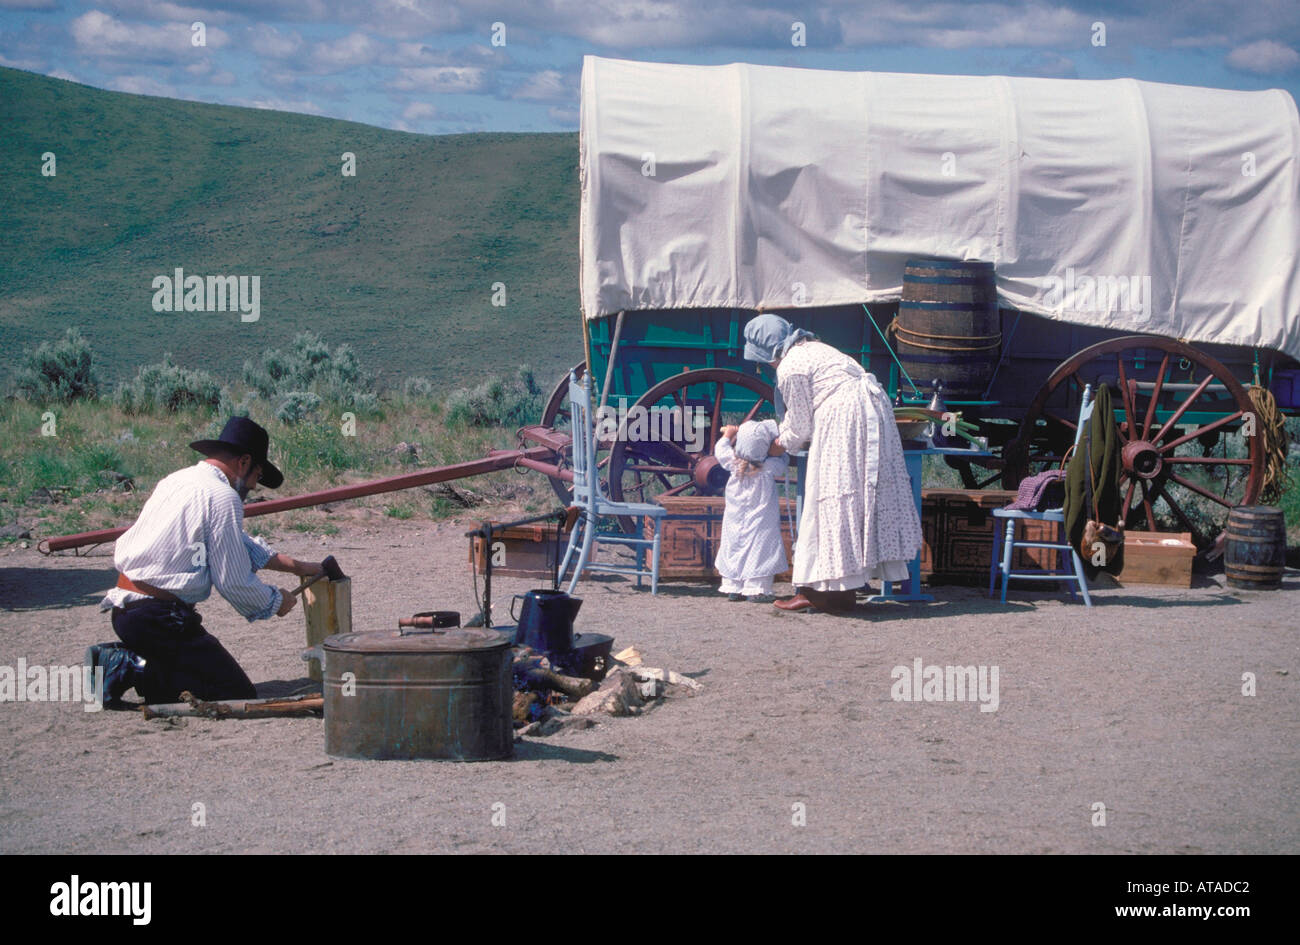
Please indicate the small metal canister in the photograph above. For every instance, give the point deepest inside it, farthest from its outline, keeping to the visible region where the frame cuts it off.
(437, 694)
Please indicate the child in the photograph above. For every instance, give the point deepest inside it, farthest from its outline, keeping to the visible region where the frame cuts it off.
(751, 552)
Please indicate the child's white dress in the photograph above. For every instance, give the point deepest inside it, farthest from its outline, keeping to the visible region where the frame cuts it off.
(751, 552)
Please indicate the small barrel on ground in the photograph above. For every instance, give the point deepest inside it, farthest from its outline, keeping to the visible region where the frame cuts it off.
(1255, 555)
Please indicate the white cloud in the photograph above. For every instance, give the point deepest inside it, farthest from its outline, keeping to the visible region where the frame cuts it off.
(355, 49)
(421, 54)
(1265, 57)
(143, 85)
(419, 110)
(549, 85)
(31, 65)
(1045, 64)
(64, 74)
(281, 105)
(441, 79)
(205, 71)
(98, 34)
(563, 116)
(965, 26)
(270, 42)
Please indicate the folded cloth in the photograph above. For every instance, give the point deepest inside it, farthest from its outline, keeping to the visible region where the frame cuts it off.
(1044, 490)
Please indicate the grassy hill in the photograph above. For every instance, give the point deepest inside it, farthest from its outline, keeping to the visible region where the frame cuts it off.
(398, 261)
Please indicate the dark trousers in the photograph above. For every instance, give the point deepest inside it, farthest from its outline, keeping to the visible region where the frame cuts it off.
(179, 654)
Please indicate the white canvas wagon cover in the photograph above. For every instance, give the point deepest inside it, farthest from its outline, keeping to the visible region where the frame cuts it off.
(1130, 205)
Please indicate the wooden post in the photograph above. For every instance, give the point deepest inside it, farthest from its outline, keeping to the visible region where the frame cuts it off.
(327, 606)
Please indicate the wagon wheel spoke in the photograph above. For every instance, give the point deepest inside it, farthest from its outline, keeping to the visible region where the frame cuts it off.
(1200, 490)
(1061, 420)
(1128, 428)
(677, 490)
(1178, 511)
(753, 411)
(1199, 431)
(1208, 460)
(655, 470)
(715, 417)
(1155, 397)
(1128, 500)
(1182, 408)
(1150, 510)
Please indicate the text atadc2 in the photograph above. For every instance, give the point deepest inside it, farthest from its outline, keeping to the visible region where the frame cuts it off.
(75, 898)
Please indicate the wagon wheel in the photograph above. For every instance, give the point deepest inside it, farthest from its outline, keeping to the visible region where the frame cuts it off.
(1177, 404)
(643, 469)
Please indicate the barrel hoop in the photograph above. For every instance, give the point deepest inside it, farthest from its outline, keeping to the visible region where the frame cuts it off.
(911, 358)
(1253, 539)
(900, 331)
(1269, 569)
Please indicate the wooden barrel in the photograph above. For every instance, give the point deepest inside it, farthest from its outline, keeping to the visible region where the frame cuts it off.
(1255, 556)
(948, 328)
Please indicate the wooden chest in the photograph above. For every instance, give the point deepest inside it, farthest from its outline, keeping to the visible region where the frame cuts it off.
(1149, 560)
(692, 530)
(522, 551)
(958, 524)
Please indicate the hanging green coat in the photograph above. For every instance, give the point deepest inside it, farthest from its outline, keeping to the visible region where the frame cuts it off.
(1100, 443)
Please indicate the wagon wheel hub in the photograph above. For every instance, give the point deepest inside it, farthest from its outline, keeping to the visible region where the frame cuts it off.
(709, 476)
(1142, 459)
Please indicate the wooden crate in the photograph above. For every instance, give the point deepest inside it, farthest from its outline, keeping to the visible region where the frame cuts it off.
(957, 525)
(522, 551)
(692, 530)
(1148, 560)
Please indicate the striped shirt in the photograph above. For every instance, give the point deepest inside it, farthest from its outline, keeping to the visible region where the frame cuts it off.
(190, 538)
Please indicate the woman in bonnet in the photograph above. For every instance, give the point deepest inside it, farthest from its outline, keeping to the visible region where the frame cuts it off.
(859, 521)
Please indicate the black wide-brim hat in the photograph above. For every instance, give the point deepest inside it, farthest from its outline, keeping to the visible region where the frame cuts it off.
(244, 436)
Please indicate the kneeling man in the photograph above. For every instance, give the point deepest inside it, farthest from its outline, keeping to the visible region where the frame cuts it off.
(188, 539)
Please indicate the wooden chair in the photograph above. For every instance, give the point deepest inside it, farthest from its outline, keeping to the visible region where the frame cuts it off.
(1005, 543)
(586, 537)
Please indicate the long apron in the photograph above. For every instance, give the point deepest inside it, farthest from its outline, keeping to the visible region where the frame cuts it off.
(859, 520)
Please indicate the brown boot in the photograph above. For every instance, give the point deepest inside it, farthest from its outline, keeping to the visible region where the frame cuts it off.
(796, 603)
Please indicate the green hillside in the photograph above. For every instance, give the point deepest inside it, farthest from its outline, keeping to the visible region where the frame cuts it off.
(398, 261)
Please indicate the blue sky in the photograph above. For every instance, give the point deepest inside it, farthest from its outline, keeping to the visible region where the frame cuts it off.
(434, 67)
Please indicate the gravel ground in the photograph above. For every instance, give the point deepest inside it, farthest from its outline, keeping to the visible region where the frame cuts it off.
(1136, 704)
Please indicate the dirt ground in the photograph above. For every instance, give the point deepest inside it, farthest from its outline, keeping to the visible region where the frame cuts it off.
(1136, 704)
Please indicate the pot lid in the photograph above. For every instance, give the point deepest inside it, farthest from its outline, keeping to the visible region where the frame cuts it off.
(452, 640)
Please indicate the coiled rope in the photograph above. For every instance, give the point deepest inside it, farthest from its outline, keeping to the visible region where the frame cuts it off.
(1271, 425)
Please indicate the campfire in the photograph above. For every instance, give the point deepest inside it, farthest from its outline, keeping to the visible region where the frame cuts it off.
(547, 701)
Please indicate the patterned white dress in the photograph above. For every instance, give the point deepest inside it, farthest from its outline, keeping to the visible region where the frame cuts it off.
(751, 551)
(859, 519)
